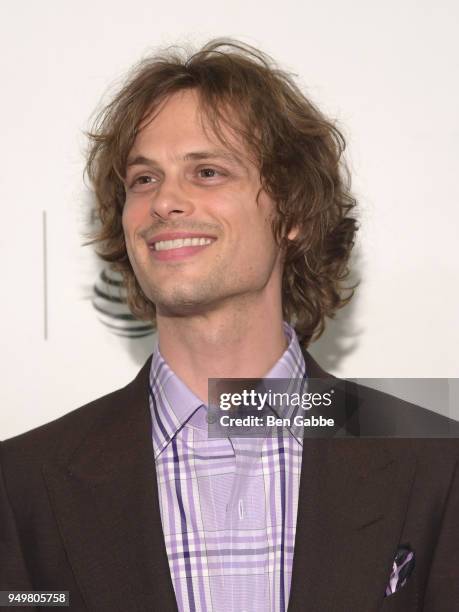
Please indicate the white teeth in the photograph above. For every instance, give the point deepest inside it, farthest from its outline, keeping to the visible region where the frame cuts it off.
(164, 245)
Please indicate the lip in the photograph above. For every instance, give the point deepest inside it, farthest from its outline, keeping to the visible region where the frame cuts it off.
(179, 253)
(176, 235)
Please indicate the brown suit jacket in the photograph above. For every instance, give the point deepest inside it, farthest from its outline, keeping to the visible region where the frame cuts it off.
(79, 511)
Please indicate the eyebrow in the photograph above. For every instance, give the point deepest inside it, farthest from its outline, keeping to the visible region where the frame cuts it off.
(141, 160)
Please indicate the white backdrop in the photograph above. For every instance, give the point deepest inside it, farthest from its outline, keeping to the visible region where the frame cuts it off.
(387, 72)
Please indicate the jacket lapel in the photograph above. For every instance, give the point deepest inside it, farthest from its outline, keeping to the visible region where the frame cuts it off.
(352, 504)
(105, 499)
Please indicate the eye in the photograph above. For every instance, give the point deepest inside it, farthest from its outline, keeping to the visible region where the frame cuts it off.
(141, 182)
(209, 172)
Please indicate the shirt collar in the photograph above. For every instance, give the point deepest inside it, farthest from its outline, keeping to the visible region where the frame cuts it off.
(173, 404)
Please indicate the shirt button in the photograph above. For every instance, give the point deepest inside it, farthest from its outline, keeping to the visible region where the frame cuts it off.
(211, 417)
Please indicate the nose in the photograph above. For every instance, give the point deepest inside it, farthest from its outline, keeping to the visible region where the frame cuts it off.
(170, 199)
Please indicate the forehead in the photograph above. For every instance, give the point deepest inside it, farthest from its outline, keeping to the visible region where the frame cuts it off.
(180, 123)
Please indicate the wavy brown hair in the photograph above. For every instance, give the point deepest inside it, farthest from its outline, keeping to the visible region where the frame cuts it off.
(298, 150)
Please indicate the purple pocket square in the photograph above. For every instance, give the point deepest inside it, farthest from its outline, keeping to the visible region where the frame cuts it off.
(402, 567)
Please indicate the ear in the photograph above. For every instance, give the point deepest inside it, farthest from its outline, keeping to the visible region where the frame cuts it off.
(293, 233)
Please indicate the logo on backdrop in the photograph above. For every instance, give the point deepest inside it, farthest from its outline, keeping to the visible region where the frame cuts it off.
(109, 301)
(108, 296)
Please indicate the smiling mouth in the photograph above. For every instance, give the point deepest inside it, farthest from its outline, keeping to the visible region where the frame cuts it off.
(180, 248)
(179, 243)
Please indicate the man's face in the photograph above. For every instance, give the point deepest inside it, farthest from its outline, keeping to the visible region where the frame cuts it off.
(181, 179)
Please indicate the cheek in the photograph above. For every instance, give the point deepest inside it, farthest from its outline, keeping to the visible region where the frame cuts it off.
(129, 229)
(131, 218)
(255, 247)
(261, 239)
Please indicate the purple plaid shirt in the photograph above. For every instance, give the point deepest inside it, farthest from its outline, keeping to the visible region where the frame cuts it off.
(228, 506)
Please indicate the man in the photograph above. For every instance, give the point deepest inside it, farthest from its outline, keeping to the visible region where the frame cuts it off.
(223, 202)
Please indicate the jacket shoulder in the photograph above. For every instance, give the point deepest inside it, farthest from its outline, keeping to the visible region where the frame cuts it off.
(62, 434)
(61, 437)
(384, 414)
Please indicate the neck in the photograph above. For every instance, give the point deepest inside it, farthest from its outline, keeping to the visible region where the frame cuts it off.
(236, 343)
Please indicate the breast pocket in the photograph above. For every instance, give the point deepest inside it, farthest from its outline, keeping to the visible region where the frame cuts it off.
(404, 600)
